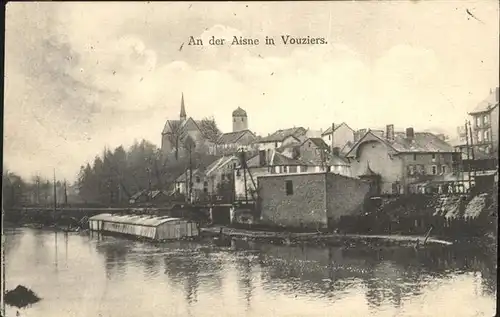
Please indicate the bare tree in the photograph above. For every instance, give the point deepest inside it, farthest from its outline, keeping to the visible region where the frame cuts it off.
(176, 136)
(210, 129)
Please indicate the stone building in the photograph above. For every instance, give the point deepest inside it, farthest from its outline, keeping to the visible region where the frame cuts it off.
(240, 120)
(175, 130)
(485, 124)
(400, 159)
(314, 200)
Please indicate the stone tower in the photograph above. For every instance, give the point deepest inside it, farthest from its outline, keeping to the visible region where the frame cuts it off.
(183, 109)
(240, 120)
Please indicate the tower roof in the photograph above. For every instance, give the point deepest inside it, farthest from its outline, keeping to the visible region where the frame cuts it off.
(239, 112)
(183, 108)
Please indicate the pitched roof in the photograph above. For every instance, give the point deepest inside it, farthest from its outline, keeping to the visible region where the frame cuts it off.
(280, 135)
(172, 125)
(336, 126)
(487, 104)
(421, 142)
(232, 137)
(319, 142)
(223, 161)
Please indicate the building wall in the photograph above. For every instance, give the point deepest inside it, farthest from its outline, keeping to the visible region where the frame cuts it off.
(269, 145)
(377, 155)
(239, 181)
(240, 123)
(494, 128)
(344, 195)
(424, 162)
(341, 136)
(306, 206)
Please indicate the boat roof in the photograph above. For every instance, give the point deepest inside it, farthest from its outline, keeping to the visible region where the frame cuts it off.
(141, 220)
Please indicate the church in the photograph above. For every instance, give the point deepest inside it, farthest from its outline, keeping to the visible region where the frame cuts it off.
(175, 130)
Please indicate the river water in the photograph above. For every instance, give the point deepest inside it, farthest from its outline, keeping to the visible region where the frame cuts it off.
(81, 274)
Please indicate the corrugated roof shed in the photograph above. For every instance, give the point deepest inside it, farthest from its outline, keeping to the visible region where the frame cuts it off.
(140, 220)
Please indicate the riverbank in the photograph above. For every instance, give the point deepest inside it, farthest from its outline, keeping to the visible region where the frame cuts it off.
(320, 238)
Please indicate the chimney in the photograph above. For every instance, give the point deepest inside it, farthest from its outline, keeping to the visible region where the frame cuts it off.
(410, 134)
(262, 157)
(389, 132)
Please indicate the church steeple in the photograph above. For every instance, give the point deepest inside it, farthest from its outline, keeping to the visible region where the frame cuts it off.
(183, 109)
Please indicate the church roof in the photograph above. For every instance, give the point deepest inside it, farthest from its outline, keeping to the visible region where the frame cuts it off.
(239, 112)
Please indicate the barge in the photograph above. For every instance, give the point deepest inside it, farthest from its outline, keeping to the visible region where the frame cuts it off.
(145, 226)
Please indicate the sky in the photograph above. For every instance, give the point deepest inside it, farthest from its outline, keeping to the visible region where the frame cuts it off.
(83, 76)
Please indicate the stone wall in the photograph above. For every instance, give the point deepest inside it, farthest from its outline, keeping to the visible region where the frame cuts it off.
(305, 207)
(345, 196)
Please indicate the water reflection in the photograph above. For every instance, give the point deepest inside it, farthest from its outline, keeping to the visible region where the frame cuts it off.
(118, 277)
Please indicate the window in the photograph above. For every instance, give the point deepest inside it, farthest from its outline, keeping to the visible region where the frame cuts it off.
(433, 156)
(275, 144)
(284, 169)
(289, 188)
(242, 120)
(234, 120)
(329, 137)
(434, 169)
(478, 121)
(479, 136)
(485, 119)
(198, 179)
(411, 170)
(309, 144)
(486, 135)
(443, 169)
(234, 165)
(223, 177)
(414, 157)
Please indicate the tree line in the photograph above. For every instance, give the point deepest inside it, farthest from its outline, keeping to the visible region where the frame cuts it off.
(115, 175)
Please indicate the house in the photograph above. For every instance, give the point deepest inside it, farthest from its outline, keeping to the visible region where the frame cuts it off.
(207, 181)
(314, 200)
(233, 141)
(341, 136)
(316, 152)
(281, 137)
(399, 159)
(174, 132)
(485, 124)
(264, 163)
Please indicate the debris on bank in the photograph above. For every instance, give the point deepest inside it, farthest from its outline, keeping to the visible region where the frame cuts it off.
(21, 297)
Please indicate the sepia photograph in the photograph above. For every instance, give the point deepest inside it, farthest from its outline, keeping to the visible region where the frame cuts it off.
(286, 159)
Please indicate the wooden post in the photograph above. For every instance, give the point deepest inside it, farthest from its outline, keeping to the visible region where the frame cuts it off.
(468, 152)
(472, 149)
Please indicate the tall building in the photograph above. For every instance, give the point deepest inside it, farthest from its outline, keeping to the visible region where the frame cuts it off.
(240, 120)
(485, 123)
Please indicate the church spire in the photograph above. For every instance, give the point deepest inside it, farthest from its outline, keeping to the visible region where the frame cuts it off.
(183, 109)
